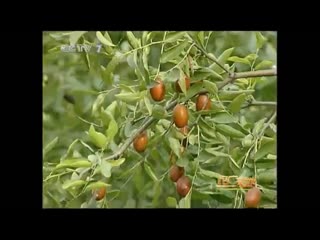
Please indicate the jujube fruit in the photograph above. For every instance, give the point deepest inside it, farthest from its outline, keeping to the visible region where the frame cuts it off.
(252, 198)
(187, 82)
(203, 102)
(183, 186)
(140, 142)
(180, 116)
(100, 193)
(158, 91)
(176, 172)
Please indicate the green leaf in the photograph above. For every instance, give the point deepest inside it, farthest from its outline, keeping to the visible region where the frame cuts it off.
(159, 112)
(267, 177)
(175, 146)
(236, 104)
(150, 172)
(50, 146)
(148, 105)
(107, 73)
(230, 95)
(271, 156)
(265, 64)
(111, 131)
(186, 201)
(171, 202)
(204, 73)
(74, 163)
(210, 174)
(268, 148)
(86, 59)
(222, 60)
(104, 40)
(193, 90)
(129, 97)
(107, 36)
(225, 140)
(207, 129)
(258, 127)
(239, 60)
(75, 183)
(251, 57)
(229, 131)
(97, 138)
(106, 168)
(260, 40)
(97, 103)
(172, 37)
(134, 42)
(75, 36)
(224, 117)
(173, 52)
(116, 163)
(96, 185)
(216, 153)
(201, 37)
(69, 151)
(211, 87)
(145, 59)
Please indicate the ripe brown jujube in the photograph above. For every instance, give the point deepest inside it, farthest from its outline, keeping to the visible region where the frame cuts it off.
(158, 91)
(203, 102)
(252, 198)
(183, 186)
(176, 172)
(100, 193)
(140, 142)
(180, 116)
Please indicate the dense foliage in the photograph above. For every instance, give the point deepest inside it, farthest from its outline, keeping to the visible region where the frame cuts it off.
(159, 119)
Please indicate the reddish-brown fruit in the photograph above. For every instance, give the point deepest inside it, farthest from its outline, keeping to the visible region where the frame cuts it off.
(176, 172)
(252, 198)
(187, 81)
(183, 186)
(203, 102)
(140, 142)
(158, 91)
(180, 116)
(100, 193)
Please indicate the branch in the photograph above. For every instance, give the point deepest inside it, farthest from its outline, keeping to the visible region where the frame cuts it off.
(174, 102)
(261, 103)
(211, 58)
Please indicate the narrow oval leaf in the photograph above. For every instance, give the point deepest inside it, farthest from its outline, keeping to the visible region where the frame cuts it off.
(172, 37)
(75, 36)
(260, 40)
(106, 168)
(96, 185)
(258, 127)
(229, 131)
(223, 117)
(145, 59)
(211, 87)
(267, 177)
(239, 60)
(116, 163)
(236, 104)
(107, 74)
(97, 103)
(175, 146)
(216, 153)
(148, 105)
(193, 90)
(129, 97)
(225, 140)
(150, 172)
(230, 95)
(104, 40)
(265, 64)
(86, 145)
(159, 112)
(134, 42)
(50, 146)
(209, 173)
(112, 131)
(75, 183)
(173, 53)
(222, 60)
(171, 202)
(268, 148)
(97, 138)
(74, 163)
